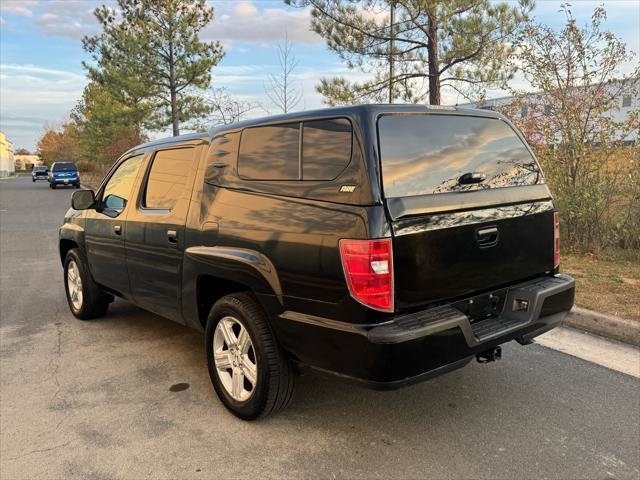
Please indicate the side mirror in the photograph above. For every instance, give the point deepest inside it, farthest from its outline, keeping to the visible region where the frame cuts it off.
(83, 200)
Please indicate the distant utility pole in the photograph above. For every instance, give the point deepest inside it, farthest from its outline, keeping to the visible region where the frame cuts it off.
(392, 4)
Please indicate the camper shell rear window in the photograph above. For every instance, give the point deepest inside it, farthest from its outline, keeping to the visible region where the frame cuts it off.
(424, 154)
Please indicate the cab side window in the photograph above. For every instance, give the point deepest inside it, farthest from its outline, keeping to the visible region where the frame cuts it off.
(167, 178)
(326, 148)
(316, 150)
(270, 153)
(117, 191)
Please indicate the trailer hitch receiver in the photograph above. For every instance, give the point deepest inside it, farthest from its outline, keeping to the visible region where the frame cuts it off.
(492, 355)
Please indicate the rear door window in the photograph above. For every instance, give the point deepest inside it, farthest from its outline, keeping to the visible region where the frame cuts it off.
(167, 178)
(427, 154)
(270, 153)
(326, 148)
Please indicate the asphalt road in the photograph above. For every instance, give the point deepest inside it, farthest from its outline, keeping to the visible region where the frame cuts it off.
(93, 399)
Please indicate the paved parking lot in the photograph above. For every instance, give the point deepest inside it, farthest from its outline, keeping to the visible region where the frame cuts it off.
(94, 399)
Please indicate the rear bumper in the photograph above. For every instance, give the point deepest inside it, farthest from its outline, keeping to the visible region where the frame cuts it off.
(67, 180)
(420, 345)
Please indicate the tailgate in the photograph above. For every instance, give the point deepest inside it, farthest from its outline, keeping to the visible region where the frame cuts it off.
(452, 255)
(468, 206)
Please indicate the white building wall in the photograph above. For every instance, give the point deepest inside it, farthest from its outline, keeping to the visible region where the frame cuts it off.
(7, 162)
(626, 105)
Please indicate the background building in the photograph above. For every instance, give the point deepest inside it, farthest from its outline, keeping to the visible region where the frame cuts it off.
(26, 162)
(626, 104)
(7, 162)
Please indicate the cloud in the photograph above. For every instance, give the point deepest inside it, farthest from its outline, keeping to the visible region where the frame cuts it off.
(32, 95)
(16, 71)
(234, 22)
(69, 18)
(23, 8)
(250, 81)
(245, 9)
(2, 21)
(244, 22)
(233, 75)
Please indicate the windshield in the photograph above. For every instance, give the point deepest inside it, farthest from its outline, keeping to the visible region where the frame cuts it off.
(428, 154)
(39, 169)
(65, 167)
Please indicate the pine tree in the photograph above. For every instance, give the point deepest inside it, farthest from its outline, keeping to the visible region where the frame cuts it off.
(150, 53)
(460, 44)
(105, 128)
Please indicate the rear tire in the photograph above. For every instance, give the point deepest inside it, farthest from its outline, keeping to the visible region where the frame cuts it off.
(263, 361)
(77, 185)
(86, 299)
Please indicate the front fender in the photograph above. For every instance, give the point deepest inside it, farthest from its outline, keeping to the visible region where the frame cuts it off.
(70, 234)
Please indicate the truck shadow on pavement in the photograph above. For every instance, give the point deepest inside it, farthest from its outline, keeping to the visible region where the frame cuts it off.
(109, 385)
(516, 387)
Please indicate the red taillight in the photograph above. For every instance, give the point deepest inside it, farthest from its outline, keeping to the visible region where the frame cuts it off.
(368, 268)
(556, 240)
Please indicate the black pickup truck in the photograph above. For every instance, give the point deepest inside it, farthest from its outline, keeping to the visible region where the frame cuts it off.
(385, 244)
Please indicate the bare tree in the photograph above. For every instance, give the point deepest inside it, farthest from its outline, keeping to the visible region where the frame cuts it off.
(225, 108)
(574, 125)
(283, 92)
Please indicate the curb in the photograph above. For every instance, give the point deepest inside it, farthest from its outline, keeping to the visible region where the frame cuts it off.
(616, 328)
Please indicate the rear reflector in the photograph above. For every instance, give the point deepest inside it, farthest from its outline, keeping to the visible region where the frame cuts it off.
(368, 268)
(556, 240)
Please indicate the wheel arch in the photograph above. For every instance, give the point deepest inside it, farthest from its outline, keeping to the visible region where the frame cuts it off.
(70, 236)
(212, 272)
(210, 289)
(65, 246)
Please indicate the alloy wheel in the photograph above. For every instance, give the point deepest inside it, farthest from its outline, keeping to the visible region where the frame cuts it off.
(74, 285)
(235, 358)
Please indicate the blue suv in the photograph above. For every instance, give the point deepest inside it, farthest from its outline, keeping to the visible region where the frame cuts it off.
(64, 173)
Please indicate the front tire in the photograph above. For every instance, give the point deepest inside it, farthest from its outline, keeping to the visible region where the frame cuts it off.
(86, 300)
(250, 373)
(52, 185)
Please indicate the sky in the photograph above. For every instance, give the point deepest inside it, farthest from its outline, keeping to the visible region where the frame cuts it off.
(41, 73)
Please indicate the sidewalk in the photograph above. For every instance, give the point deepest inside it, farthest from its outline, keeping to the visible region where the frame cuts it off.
(608, 353)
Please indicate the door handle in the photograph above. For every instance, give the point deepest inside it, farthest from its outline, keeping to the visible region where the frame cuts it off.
(117, 229)
(487, 237)
(471, 178)
(172, 238)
